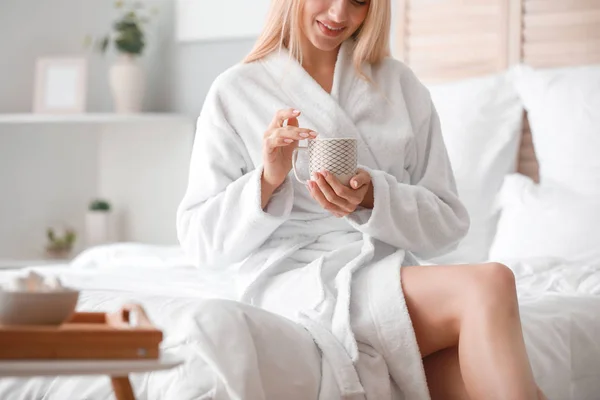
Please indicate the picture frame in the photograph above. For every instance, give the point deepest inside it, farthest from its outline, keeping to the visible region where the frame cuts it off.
(60, 85)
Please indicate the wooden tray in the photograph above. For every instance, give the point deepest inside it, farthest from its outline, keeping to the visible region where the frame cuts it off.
(86, 335)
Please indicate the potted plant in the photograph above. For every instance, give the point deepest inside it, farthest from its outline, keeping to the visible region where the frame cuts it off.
(126, 75)
(60, 245)
(98, 222)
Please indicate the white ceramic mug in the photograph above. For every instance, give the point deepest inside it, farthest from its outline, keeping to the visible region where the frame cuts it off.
(336, 155)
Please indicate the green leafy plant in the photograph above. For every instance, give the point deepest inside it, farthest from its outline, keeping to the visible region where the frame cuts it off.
(60, 244)
(99, 205)
(127, 33)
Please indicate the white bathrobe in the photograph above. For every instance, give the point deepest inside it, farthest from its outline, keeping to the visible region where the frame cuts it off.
(338, 277)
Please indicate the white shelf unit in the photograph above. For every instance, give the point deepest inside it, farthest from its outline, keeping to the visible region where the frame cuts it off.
(29, 118)
(51, 166)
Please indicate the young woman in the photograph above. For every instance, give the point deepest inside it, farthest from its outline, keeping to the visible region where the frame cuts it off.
(341, 260)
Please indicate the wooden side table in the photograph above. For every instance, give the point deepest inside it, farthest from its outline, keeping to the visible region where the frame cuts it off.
(118, 370)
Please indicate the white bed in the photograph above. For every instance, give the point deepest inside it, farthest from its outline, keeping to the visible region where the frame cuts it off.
(559, 300)
(175, 298)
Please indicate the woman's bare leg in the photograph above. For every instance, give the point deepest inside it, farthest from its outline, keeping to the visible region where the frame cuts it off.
(443, 375)
(445, 379)
(475, 308)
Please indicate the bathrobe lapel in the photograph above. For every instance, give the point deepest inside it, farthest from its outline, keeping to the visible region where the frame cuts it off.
(367, 109)
(328, 114)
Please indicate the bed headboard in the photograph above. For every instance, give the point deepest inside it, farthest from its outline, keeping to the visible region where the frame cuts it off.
(557, 33)
(446, 40)
(452, 39)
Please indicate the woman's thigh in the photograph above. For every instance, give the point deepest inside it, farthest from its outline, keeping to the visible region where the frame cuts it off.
(437, 298)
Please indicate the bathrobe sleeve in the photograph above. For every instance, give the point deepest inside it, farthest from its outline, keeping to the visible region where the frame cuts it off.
(220, 220)
(426, 216)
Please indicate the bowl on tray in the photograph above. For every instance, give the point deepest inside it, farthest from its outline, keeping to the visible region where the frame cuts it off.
(27, 304)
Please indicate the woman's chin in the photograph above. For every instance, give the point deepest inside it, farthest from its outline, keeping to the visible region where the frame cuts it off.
(326, 44)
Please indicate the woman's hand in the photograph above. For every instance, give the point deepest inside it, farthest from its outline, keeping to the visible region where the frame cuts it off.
(338, 199)
(279, 142)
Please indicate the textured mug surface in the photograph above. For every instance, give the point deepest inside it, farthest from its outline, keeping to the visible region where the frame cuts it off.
(336, 155)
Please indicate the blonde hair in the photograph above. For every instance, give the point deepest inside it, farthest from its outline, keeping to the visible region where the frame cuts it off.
(282, 29)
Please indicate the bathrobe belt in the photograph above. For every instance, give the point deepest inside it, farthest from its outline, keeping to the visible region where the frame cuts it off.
(336, 355)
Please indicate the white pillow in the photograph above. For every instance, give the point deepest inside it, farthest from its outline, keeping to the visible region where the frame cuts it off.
(481, 124)
(545, 221)
(563, 108)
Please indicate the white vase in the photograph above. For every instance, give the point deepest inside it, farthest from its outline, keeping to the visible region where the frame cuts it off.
(127, 84)
(98, 228)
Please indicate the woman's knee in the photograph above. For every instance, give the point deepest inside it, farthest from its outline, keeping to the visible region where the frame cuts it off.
(494, 286)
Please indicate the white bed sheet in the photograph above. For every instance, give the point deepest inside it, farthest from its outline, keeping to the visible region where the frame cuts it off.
(560, 309)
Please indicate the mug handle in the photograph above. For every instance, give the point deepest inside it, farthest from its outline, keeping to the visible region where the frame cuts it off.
(294, 159)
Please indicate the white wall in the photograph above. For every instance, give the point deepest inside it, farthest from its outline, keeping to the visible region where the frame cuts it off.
(196, 65)
(143, 170)
(220, 20)
(47, 176)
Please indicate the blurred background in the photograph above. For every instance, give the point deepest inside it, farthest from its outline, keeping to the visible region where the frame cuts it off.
(179, 73)
(94, 145)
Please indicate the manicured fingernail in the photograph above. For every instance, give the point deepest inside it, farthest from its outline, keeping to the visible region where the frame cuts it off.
(288, 140)
(315, 176)
(325, 173)
(354, 184)
(313, 134)
(304, 134)
(296, 111)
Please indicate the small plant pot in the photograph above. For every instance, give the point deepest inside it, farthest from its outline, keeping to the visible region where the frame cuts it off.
(58, 254)
(98, 227)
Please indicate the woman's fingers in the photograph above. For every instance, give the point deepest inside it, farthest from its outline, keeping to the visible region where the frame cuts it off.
(335, 197)
(274, 142)
(293, 132)
(285, 136)
(331, 196)
(354, 197)
(279, 135)
(318, 195)
(361, 179)
(282, 115)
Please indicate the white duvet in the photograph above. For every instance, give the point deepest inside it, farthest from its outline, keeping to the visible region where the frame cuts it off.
(560, 309)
